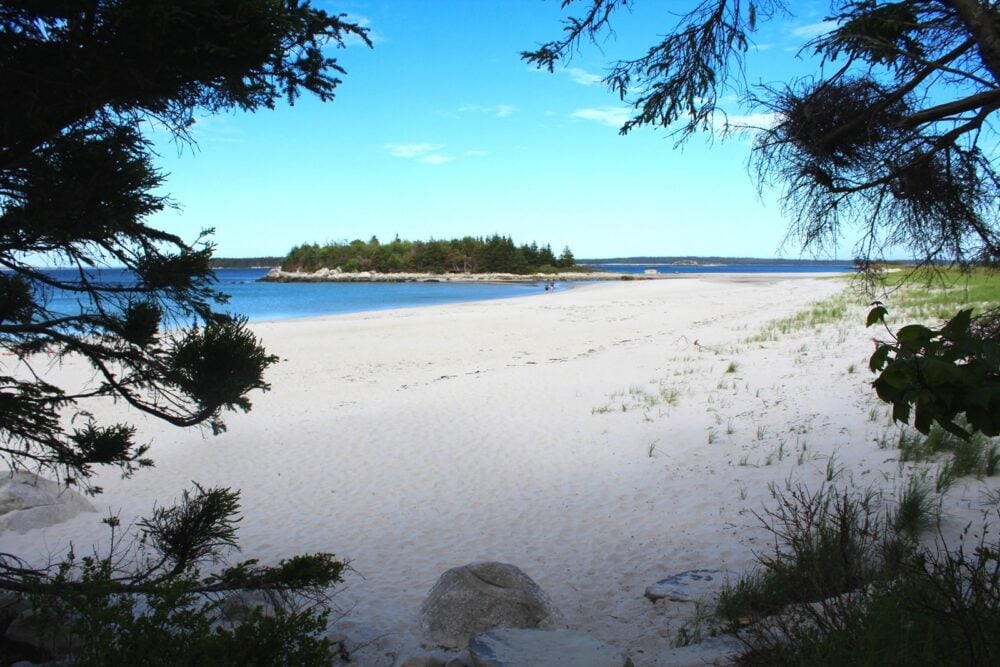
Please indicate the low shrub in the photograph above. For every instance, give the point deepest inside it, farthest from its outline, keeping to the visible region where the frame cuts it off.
(827, 543)
(145, 602)
(847, 584)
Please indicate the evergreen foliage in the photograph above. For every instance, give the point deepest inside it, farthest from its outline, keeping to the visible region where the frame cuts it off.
(494, 254)
(82, 81)
(245, 262)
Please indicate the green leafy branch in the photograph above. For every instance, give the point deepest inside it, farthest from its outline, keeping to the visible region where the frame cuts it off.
(939, 374)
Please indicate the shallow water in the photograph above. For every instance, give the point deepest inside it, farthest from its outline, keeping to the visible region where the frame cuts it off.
(260, 301)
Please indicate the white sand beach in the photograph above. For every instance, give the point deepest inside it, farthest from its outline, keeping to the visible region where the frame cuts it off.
(600, 438)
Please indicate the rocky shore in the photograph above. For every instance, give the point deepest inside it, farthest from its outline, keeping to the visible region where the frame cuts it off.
(276, 275)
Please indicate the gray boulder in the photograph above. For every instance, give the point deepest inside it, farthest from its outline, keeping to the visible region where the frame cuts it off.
(28, 501)
(477, 597)
(511, 647)
(688, 586)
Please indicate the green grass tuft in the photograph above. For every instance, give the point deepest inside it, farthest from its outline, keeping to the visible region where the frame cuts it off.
(917, 509)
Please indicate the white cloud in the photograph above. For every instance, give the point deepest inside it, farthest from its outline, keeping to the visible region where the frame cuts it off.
(412, 150)
(425, 153)
(435, 158)
(582, 76)
(613, 116)
(811, 30)
(499, 110)
(216, 130)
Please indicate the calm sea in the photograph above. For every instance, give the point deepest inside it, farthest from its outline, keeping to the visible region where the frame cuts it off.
(278, 301)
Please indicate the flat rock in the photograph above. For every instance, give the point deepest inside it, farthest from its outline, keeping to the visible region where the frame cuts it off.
(28, 501)
(688, 586)
(517, 647)
(477, 597)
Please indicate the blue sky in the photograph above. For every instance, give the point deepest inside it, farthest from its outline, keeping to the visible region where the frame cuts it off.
(442, 131)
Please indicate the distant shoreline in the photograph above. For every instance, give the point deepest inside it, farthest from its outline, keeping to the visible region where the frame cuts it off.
(334, 276)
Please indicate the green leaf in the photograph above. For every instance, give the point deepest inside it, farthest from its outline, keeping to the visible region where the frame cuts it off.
(923, 418)
(878, 359)
(913, 334)
(953, 428)
(901, 411)
(876, 314)
(982, 397)
(938, 372)
(958, 326)
(897, 375)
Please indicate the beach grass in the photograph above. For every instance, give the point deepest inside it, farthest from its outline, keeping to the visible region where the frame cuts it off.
(836, 309)
(976, 455)
(847, 583)
(848, 577)
(923, 294)
(938, 294)
(827, 543)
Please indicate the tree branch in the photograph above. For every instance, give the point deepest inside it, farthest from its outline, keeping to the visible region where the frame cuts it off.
(984, 25)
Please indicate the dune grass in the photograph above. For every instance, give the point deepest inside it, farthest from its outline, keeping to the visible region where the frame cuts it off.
(832, 310)
(846, 579)
(659, 394)
(921, 294)
(977, 455)
(848, 584)
(827, 543)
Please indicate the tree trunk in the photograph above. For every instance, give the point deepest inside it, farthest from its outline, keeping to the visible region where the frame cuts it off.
(984, 25)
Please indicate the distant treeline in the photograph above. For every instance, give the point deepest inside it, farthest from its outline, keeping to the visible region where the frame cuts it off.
(496, 254)
(245, 262)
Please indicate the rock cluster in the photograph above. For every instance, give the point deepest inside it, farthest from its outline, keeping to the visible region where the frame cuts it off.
(276, 275)
(490, 614)
(478, 597)
(28, 501)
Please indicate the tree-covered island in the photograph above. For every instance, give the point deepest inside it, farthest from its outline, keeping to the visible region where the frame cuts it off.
(472, 255)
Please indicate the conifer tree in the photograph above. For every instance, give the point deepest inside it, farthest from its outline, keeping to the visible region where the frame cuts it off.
(82, 81)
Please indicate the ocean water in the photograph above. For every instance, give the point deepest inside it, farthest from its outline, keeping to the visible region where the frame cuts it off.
(279, 301)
